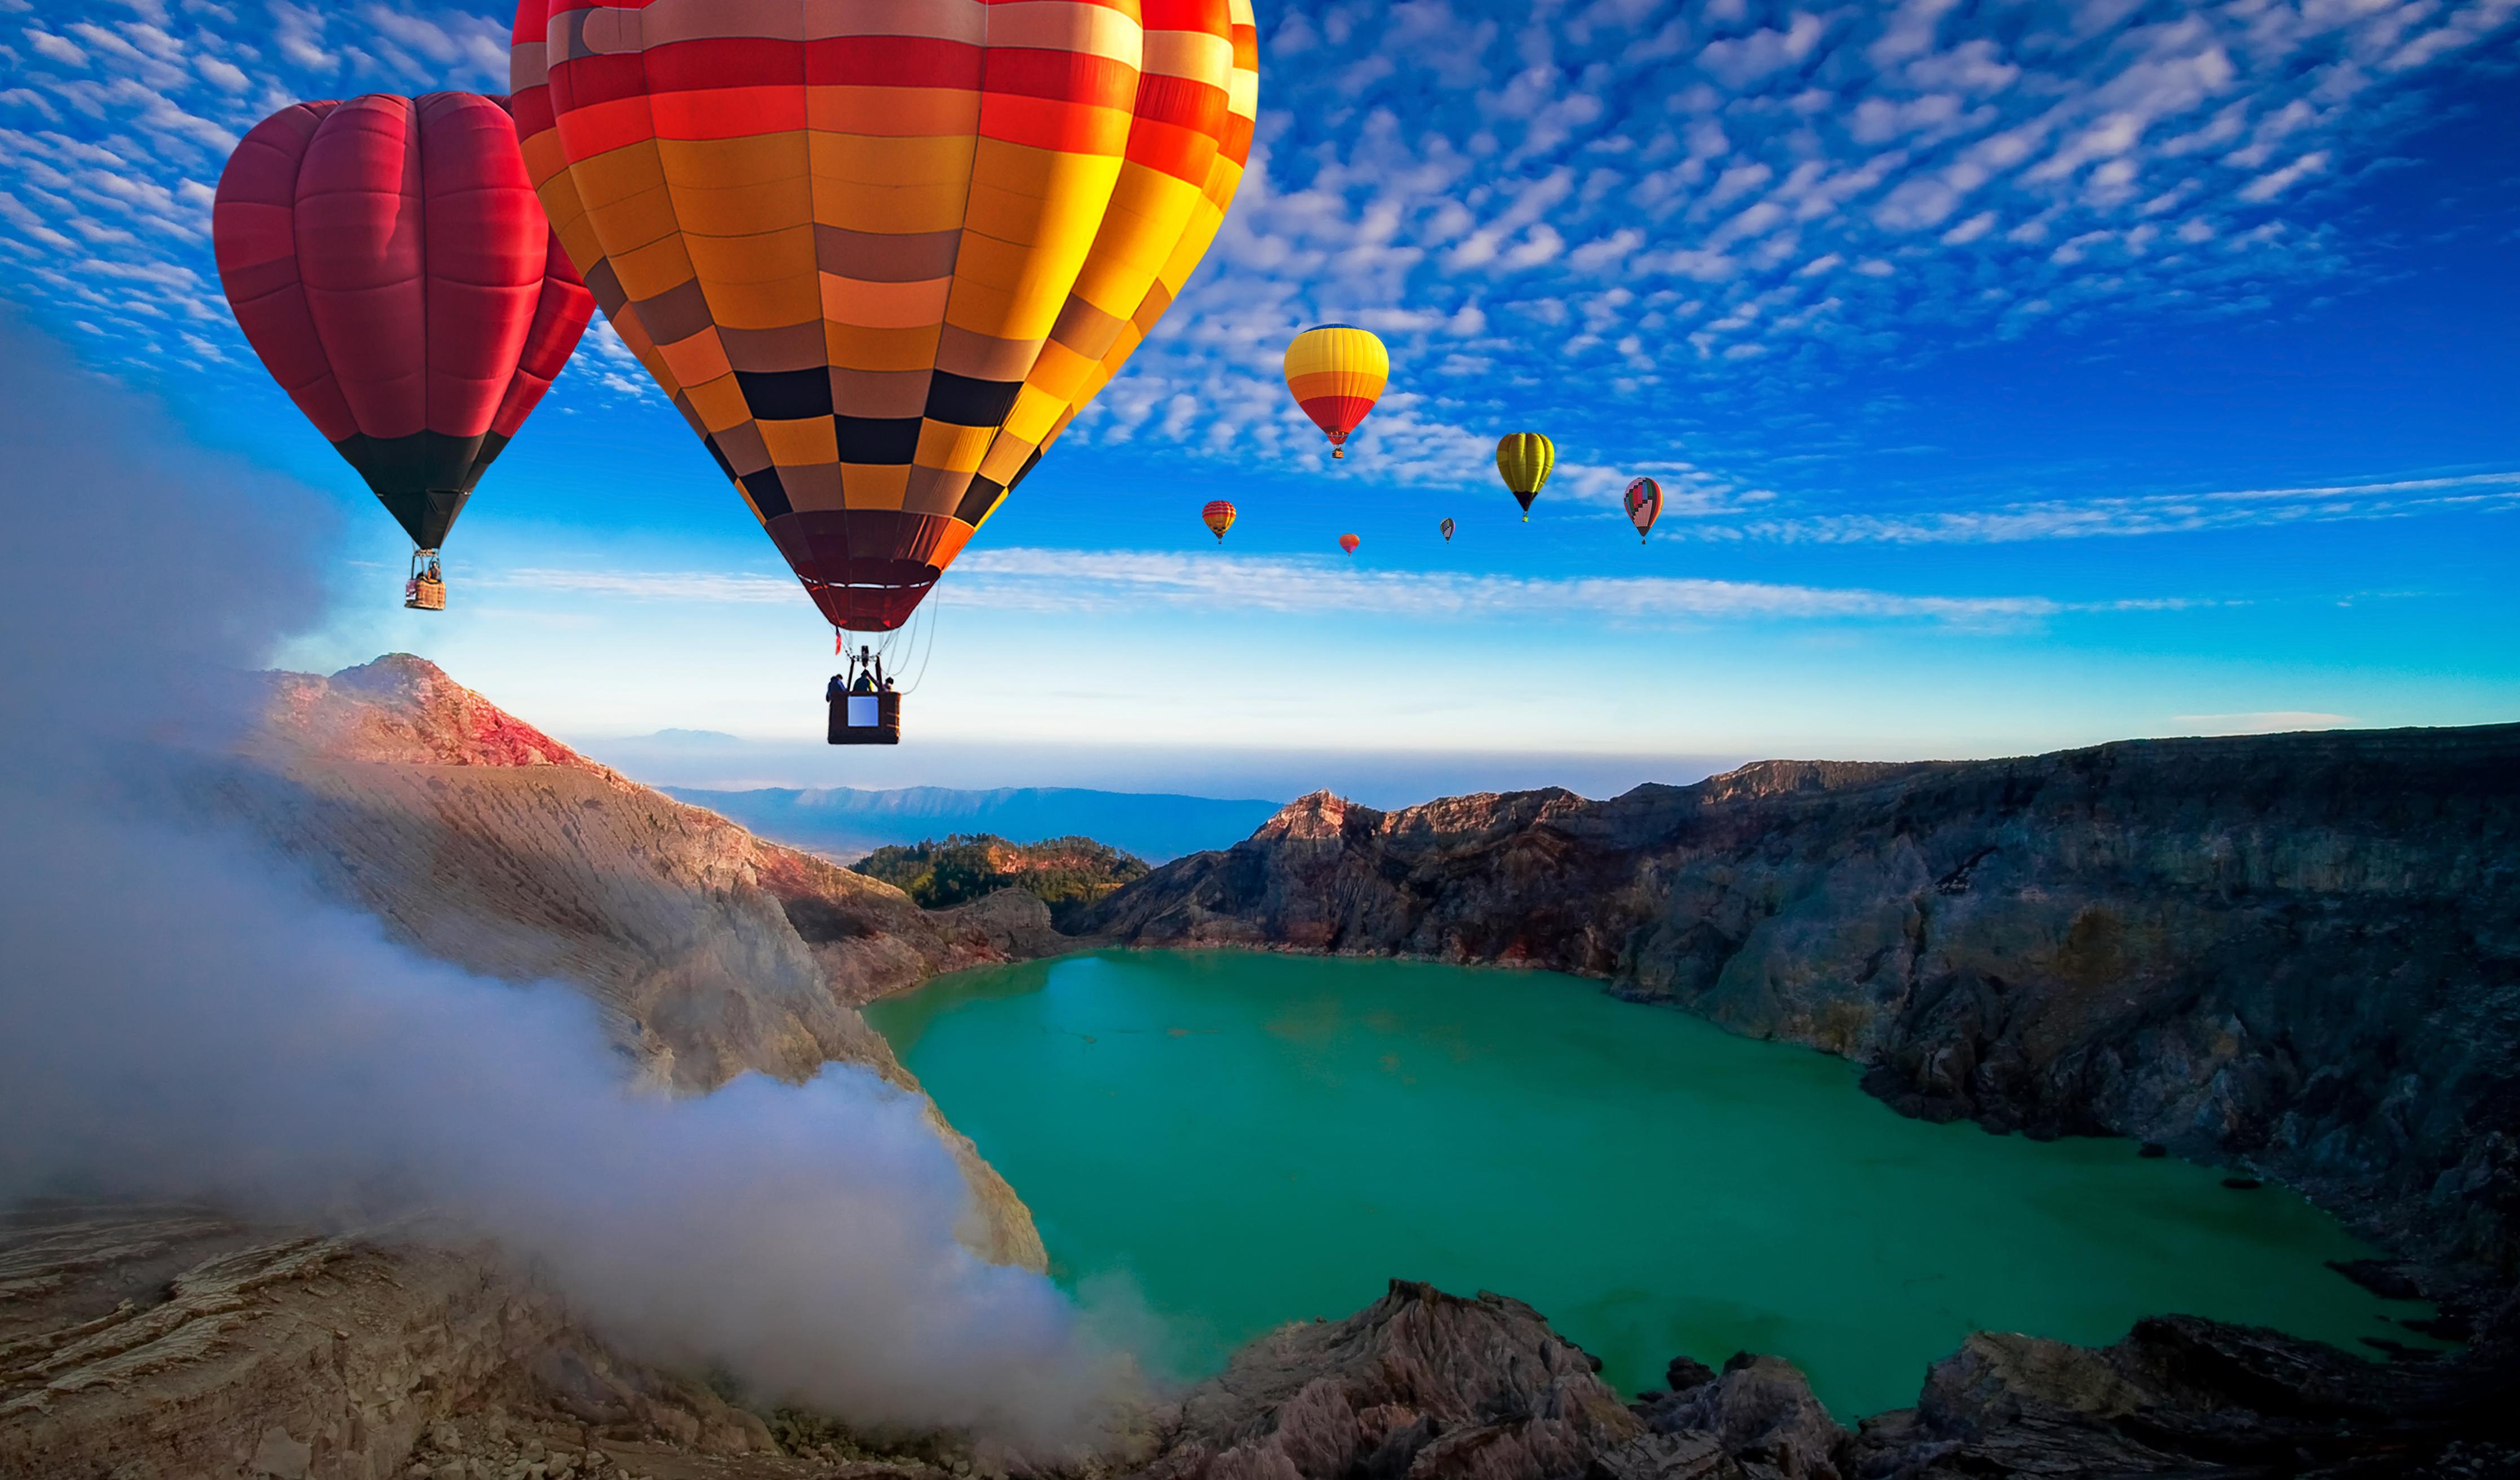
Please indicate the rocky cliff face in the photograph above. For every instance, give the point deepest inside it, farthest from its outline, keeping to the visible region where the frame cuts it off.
(2297, 952)
(161, 1343)
(710, 953)
(1435, 1387)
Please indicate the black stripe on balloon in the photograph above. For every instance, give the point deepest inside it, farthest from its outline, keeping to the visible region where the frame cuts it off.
(977, 500)
(424, 514)
(966, 402)
(1524, 498)
(785, 395)
(410, 463)
(886, 441)
(492, 444)
(709, 441)
(769, 495)
(1024, 471)
(421, 478)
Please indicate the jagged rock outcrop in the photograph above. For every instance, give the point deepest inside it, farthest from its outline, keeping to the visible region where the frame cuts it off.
(1431, 1387)
(1418, 1383)
(2181, 1396)
(2301, 953)
(710, 953)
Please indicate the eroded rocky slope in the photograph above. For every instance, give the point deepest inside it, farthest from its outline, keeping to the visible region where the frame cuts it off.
(710, 953)
(2296, 952)
(1433, 1386)
(164, 1343)
(2299, 952)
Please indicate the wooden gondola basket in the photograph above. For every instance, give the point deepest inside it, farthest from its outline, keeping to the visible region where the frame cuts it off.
(866, 719)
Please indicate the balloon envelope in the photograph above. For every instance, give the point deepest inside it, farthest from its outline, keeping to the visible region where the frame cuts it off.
(1644, 505)
(1447, 527)
(1349, 542)
(1218, 517)
(1523, 461)
(387, 260)
(1337, 373)
(878, 254)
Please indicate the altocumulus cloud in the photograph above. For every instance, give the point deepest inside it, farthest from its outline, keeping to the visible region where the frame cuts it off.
(1636, 224)
(1592, 216)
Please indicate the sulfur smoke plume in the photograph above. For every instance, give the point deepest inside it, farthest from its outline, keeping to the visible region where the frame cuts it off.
(180, 1017)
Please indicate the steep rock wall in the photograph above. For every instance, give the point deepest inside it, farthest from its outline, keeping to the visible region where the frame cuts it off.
(482, 841)
(2299, 952)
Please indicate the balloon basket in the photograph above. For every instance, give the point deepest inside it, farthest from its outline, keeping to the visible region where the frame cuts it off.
(426, 588)
(866, 719)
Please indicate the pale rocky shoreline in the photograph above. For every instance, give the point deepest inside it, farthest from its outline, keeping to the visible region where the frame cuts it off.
(1810, 902)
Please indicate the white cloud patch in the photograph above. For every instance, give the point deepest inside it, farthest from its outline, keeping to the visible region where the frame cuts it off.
(1621, 220)
(2264, 722)
(2147, 513)
(1121, 580)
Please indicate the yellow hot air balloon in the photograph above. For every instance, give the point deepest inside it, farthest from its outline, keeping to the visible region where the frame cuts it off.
(1337, 373)
(1523, 461)
(878, 254)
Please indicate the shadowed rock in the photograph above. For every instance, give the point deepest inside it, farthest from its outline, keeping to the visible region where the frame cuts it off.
(1418, 1383)
(2297, 952)
(710, 953)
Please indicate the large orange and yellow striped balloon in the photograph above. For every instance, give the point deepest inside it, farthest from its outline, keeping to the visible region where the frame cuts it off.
(879, 251)
(1338, 373)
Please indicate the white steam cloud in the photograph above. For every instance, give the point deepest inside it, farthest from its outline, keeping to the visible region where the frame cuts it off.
(180, 1016)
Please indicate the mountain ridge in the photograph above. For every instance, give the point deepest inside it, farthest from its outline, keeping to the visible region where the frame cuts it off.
(845, 821)
(708, 952)
(2291, 953)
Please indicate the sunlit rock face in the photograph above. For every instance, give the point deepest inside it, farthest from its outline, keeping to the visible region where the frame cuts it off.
(709, 952)
(2301, 952)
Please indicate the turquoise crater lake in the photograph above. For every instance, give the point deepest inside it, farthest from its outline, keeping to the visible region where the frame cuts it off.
(1240, 1139)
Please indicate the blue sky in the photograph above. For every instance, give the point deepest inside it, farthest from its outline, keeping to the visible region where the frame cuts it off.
(2019, 375)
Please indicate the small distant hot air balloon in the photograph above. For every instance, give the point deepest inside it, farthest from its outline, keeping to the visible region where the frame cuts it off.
(1336, 373)
(1349, 542)
(1447, 527)
(387, 260)
(1218, 517)
(1645, 505)
(1523, 460)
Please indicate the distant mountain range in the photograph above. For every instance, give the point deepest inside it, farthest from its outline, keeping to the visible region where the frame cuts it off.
(847, 822)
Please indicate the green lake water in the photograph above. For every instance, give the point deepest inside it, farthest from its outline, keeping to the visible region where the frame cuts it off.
(1239, 1139)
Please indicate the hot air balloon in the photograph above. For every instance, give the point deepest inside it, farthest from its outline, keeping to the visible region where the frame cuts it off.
(1349, 542)
(877, 256)
(1447, 527)
(388, 261)
(1336, 373)
(1645, 505)
(1218, 517)
(1523, 461)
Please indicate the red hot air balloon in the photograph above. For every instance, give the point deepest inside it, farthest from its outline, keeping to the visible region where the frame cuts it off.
(1349, 542)
(1218, 517)
(388, 260)
(1645, 505)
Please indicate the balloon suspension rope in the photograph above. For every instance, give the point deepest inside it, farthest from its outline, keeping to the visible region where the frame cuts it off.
(927, 615)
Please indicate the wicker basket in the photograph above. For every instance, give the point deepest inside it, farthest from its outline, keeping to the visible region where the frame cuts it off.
(866, 719)
(425, 596)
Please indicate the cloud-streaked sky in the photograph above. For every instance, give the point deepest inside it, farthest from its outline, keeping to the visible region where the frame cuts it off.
(2019, 374)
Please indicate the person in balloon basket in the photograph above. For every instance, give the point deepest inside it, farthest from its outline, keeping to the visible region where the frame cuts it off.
(430, 577)
(864, 675)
